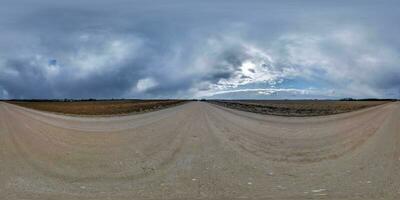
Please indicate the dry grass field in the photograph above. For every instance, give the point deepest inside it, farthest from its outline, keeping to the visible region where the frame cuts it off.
(118, 107)
(298, 108)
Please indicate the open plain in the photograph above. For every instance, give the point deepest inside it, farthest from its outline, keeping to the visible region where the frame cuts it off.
(298, 108)
(98, 107)
(199, 150)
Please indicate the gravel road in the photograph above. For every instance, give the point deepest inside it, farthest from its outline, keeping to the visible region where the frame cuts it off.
(200, 151)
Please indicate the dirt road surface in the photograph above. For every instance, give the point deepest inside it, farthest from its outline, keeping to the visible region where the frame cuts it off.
(200, 151)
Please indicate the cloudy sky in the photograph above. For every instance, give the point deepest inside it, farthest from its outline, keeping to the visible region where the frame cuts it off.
(193, 49)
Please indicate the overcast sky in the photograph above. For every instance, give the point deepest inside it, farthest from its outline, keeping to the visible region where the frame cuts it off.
(203, 48)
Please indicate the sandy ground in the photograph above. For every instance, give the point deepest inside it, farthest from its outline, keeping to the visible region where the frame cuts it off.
(200, 151)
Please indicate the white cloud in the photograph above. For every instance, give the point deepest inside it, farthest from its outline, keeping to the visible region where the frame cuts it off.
(227, 62)
(145, 84)
(100, 54)
(271, 93)
(263, 91)
(4, 94)
(351, 61)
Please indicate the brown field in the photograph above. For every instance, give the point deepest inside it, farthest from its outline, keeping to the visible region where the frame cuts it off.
(298, 108)
(118, 107)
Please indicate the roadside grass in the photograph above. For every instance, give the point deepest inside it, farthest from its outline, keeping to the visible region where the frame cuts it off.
(297, 108)
(96, 108)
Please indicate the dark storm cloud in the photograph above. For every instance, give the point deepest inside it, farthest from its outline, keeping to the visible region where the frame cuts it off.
(158, 49)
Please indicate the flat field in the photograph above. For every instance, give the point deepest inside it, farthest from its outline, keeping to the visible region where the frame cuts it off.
(117, 107)
(298, 108)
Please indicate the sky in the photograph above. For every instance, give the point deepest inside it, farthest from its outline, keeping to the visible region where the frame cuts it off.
(200, 49)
